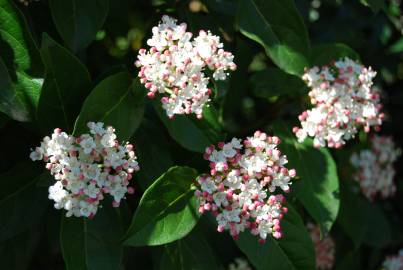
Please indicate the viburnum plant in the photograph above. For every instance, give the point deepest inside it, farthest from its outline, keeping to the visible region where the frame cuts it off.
(200, 134)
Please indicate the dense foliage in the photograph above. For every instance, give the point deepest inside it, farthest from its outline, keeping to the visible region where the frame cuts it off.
(66, 66)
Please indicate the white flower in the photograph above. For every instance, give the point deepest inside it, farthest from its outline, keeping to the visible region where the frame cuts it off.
(86, 168)
(237, 188)
(394, 262)
(374, 166)
(344, 100)
(175, 67)
(87, 144)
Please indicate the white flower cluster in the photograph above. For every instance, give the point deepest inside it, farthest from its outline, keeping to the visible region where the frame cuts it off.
(238, 188)
(375, 167)
(344, 100)
(394, 262)
(86, 168)
(239, 264)
(175, 66)
(324, 248)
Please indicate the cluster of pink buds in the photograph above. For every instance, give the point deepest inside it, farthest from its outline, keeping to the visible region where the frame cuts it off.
(239, 264)
(175, 66)
(344, 100)
(324, 248)
(239, 188)
(86, 168)
(375, 171)
(394, 262)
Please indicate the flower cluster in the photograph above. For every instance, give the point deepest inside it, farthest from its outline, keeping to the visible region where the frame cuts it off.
(86, 168)
(344, 100)
(394, 262)
(236, 189)
(239, 264)
(375, 167)
(175, 66)
(324, 249)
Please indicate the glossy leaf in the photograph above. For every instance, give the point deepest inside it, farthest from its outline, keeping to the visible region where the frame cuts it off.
(19, 51)
(66, 84)
(115, 102)
(78, 21)
(294, 251)
(318, 186)
(191, 133)
(92, 244)
(167, 211)
(277, 26)
(273, 82)
(325, 53)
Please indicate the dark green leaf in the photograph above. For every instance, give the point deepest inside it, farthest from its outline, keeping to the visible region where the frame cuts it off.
(152, 150)
(22, 204)
(93, 244)
(66, 84)
(192, 252)
(352, 215)
(78, 21)
(277, 26)
(294, 251)
(363, 221)
(273, 82)
(17, 252)
(378, 232)
(113, 102)
(167, 211)
(375, 5)
(326, 53)
(191, 133)
(318, 186)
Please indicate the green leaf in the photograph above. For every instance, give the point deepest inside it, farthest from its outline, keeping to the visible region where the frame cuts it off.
(78, 21)
(67, 83)
(167, 211)
(113, 101)
(294, 251)
(191, 133)
(19, 60)
(363, 221)
(352, 215)
(273, 82)
(378, 231)
(278, 27)
(22, 204)
(17, 253)
(152, 150)
(326, 53)
(92, 244)
(318, 186)
(19, 52)
(192, 252)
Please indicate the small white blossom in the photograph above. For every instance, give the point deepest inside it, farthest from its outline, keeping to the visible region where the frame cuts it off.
(375, 171)
(394, 262)
(175, 66)
(86, 168)
(344, 100)
(239, 188)
(239, 264)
